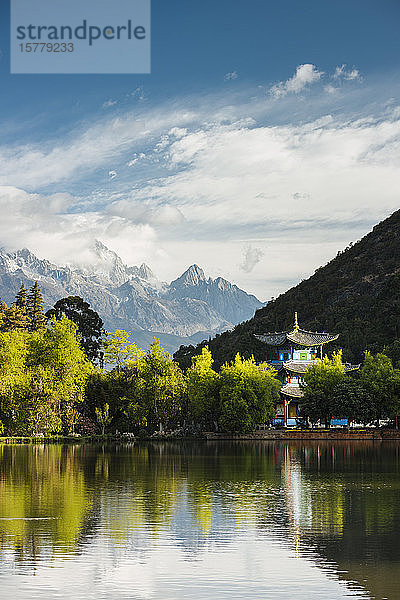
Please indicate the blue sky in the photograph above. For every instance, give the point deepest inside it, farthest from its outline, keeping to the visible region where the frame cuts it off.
(265, 139)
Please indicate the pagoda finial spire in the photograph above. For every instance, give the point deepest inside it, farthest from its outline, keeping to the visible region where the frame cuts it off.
(296, 325)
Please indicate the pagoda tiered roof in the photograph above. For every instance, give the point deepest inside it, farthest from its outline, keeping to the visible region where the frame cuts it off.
(296, 367)
(298, 336)
(293, 391)
(301, 366)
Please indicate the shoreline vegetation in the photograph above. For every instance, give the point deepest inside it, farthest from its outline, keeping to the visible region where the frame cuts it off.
(63, 376)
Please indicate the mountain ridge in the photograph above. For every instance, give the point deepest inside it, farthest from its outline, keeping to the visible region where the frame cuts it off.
(191, 308)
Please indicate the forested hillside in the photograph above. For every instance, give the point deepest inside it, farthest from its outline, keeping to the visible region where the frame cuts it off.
(357, 294)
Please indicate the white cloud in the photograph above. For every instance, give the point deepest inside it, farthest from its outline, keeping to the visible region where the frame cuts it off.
(348, 74)
(109, 103)
(305, 75)
(112, 174)
(177, 132)
(233, 174)
(304, 190)
(44, 225)
(35, 165)
(84, 153)
(330, 89)
(231, 76)
(162, 143)
(338, 71)
(136, 158)
(138, 93)
(209, 177)
(146, 212)
(353, 74)
(251, 257)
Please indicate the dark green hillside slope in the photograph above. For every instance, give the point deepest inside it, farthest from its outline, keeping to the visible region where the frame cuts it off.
(357, 294)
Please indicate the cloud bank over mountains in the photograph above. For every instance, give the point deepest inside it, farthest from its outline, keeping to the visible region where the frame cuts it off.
(259, 185)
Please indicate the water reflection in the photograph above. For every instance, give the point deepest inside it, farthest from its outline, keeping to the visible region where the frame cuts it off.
(200, 520)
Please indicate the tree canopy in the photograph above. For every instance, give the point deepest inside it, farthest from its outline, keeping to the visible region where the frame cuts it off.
(42, 378)
(89, 323)
(248, 393)
(26, 312)
(203, 391)
(318, 385)
(48, 384)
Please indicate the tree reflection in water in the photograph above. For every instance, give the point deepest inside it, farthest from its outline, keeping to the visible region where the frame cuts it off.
(337, 504)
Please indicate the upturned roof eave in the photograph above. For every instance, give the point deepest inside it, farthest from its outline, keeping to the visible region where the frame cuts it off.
(296, 367)
(291, 392)
(301, 337)
(278, 341)
(319, 338)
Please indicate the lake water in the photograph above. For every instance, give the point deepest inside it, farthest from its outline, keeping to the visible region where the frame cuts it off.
(200, 520)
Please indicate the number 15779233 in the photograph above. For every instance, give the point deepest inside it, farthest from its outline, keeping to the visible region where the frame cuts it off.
(46, 47)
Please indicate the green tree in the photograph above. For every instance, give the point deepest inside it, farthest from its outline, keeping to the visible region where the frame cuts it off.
(21, 304)
(135, 413)
(14, 318)
(351, 400)
(117, 349)
(21, 299)
(382, 382)
(160, 387)
(203, 390)
(36, 316)
(72, 417)
(318, 385)
(38, 411)
(42, 378)
(14, 377)
(88, 321)
(393, 352)
(103, 417)
(104, 387)
(247, 393)
(59, 350)
(119, 388)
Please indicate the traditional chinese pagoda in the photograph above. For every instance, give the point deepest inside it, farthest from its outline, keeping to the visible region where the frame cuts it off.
(291, 353)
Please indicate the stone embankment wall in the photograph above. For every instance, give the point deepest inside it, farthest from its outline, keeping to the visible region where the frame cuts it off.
(311, 434)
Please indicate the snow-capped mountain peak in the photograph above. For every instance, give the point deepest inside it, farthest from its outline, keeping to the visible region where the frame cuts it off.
(193, 276)
(189, 309)
(145, 272)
